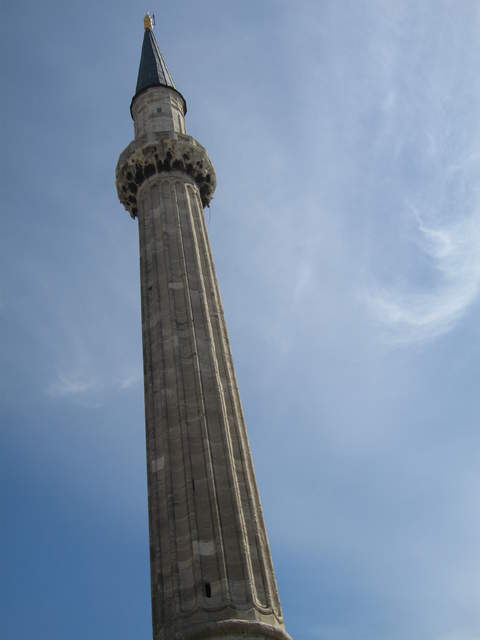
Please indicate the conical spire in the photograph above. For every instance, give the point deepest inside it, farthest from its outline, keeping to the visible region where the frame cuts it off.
(153, 70)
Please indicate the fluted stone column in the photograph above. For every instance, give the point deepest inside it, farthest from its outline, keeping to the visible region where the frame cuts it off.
(211, 569)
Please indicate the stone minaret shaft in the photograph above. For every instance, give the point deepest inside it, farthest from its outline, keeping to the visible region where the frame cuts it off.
(211, 570)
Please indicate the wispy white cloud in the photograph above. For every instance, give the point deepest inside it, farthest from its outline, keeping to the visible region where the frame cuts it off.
(417, 314)
(83, 383)
(69, 385)
(424, 145)
(128, 381)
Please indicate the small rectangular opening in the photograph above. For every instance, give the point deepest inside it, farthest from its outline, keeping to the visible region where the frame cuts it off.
(208, 590)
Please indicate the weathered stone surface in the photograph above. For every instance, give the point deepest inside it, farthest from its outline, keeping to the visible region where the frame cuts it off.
(234, 629)
(158, 113)
(211, 569)
(159, 153)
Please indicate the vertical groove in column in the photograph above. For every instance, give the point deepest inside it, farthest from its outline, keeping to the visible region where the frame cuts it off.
(183, 532)
(163, 343)
(189, 563)
(208, 545)
(206, 525)
(235, 538)
(206, 371)
(155, 551)
(158, 335)
(255, 568)
(261, 557)
(213, 311)
(156, 484)
(202, 547)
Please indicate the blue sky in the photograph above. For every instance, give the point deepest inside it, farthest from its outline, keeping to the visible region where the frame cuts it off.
(346, 236)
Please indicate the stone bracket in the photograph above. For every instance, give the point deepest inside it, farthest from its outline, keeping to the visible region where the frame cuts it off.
(158, 153)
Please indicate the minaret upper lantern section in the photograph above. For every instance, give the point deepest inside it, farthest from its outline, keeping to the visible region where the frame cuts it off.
(211, 569)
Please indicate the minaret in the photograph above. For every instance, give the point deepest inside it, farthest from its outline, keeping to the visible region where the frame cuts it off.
(211, 569)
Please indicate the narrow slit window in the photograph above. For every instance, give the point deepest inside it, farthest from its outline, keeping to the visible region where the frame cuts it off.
(208, 590)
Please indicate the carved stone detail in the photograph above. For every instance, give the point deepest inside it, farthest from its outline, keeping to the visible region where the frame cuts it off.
(158, 153)
(232, 629)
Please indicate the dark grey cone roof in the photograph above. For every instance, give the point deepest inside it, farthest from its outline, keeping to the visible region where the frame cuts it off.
(153, 70)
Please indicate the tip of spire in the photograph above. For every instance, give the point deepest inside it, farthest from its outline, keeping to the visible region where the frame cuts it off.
(153, 71)
(147, 22)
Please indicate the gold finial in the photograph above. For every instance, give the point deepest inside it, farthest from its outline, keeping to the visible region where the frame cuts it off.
(147, 22)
